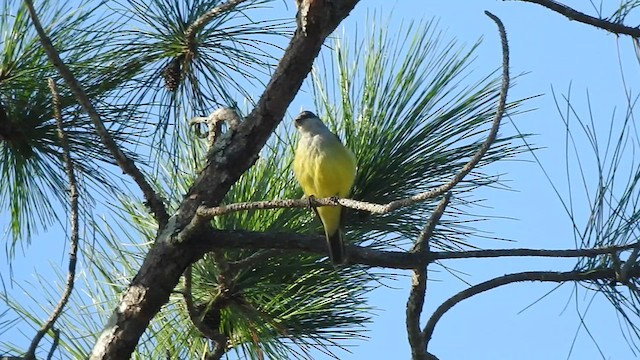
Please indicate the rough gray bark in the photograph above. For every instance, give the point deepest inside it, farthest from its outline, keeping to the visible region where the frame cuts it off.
(231, 156)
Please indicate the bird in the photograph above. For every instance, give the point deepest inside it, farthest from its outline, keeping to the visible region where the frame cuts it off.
(324, 167)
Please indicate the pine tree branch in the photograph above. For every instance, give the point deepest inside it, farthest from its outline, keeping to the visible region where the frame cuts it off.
(578, 16)
(124, 162)
(73, 246)
(227, 160)
(417, 294)
(623, 276)
(422, 243)
(199, 23)
(214, 123)
(599, 274)
(204, 213)
(415, 302)
(313, 244)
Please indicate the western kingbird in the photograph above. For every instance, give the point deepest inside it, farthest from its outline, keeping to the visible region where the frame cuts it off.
(324, 168)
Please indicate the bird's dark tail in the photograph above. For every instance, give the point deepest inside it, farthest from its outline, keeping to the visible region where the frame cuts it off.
(336, 248)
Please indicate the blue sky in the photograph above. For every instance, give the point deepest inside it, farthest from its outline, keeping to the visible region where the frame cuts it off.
(549, 51)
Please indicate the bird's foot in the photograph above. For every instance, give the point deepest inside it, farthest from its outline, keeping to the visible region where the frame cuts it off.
(310, 199)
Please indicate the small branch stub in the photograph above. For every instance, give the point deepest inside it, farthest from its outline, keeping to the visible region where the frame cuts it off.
(214, 123)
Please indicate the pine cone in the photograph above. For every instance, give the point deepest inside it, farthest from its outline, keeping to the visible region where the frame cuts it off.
(172, 73)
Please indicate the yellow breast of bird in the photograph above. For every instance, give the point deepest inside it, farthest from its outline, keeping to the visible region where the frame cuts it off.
(324, 167)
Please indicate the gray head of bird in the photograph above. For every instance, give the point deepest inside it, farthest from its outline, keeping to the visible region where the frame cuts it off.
(309, 123)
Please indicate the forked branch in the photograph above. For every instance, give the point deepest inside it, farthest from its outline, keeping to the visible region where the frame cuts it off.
(419, 283)
(418, 290)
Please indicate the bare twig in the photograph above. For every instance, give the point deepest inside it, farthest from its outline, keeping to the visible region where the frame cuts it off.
(125, 163)
(422, 244)
(73, 246)
(493, 132)
(542, 276)
(415, 301)
(199, 23)
(204, 213)
(564, 253)
(578, 16)
(207, 213)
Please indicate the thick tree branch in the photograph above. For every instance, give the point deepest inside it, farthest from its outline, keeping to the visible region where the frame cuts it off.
(227, 160)
(313, 244)
(415, 304)
(415, 301)
(578, 16)
(124, 162)
(73, 246)
(542, 276)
